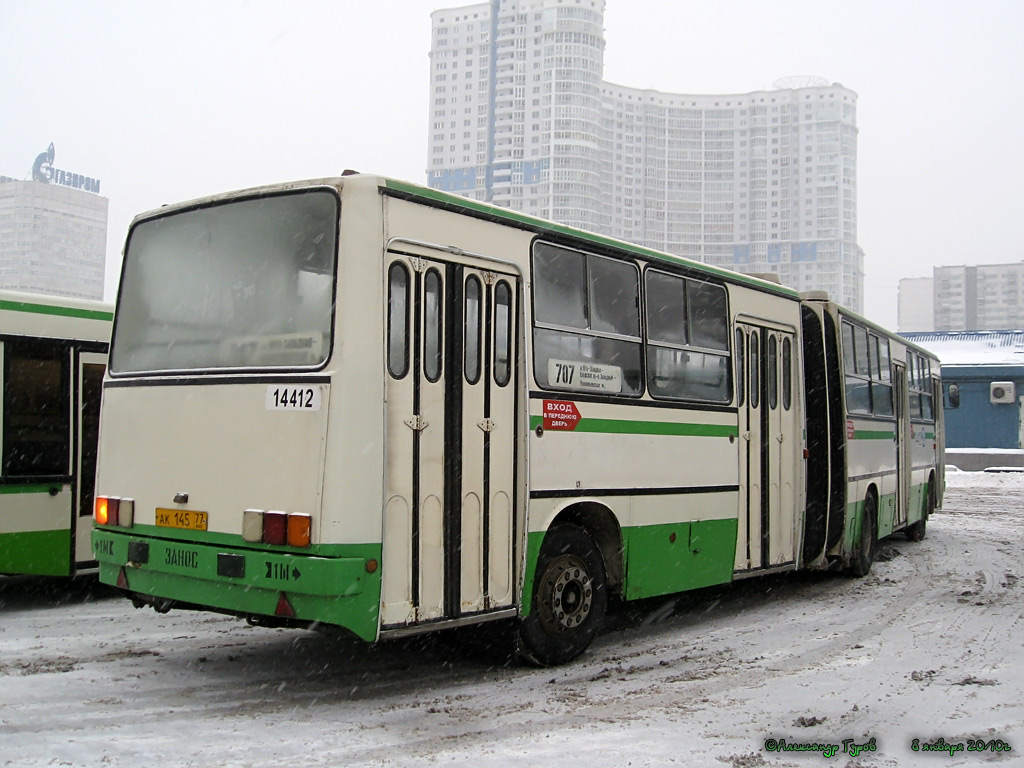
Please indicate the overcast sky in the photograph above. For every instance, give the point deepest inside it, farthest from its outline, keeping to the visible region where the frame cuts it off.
(167, 101)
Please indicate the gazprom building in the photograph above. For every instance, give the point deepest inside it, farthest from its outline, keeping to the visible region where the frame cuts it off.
(53, 232)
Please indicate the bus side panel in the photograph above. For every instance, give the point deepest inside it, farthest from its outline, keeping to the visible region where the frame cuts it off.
(679, 524)
(35, 533)
(661, 559)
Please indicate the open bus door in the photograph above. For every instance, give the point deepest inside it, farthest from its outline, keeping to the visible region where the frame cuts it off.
(89, 389)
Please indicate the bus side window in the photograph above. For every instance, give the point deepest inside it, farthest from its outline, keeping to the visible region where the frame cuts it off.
(881, 388)
(586, 315)
(502, 334)
(432, 325)
(36, 415)
(472, 326)
(687, 339)
(857, 364)
(755, 372)
(953, 396)
(849, 363)
(398, 320)
(741, 379)
(787, 374)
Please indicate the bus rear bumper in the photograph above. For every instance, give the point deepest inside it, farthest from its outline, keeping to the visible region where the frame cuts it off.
(333, 590)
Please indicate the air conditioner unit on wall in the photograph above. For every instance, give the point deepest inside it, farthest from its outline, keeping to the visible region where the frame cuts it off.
(1002, 392)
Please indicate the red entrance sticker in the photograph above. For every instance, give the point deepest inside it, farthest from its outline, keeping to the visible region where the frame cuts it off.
(849, 429)
(560, 414)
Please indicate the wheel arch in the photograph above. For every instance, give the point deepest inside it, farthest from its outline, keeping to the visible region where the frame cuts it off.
(601, 524)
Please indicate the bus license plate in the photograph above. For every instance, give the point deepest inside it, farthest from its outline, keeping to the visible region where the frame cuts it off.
(189, 519)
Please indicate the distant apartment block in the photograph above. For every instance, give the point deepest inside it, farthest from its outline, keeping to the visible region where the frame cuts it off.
(916, 304)
(986, 297)
(53, 239)
(521, 116)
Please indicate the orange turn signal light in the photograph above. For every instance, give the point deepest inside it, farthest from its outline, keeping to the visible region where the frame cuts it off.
(101, 512)
(300, 528)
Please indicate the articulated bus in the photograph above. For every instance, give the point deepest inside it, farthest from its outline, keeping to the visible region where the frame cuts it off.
(53, 353)
(362, 403)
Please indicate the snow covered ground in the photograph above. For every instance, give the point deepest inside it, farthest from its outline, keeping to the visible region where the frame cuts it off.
(928, 646)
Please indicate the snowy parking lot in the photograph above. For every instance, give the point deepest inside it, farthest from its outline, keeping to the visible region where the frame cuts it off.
(794, 670)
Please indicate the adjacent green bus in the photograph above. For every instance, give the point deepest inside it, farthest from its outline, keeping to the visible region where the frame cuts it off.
(53, 353)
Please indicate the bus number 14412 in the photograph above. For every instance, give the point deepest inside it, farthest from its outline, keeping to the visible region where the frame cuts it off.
(281, 397)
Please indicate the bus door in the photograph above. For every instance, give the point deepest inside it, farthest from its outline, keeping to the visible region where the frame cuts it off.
(36, 499)
(91, 367)
(768, 443)
(903, 468)
(450, 439)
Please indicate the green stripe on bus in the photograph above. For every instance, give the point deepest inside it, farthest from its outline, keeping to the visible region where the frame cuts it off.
(628, 427)
(467, 204)
(868, 434)
(37, 553)
(46, 309)
(29, 488)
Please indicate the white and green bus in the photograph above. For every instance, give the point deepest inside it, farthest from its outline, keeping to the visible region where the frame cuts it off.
(53, 352)
(359, 402)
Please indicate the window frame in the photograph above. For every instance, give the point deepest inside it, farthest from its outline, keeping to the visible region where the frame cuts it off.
(587, 332)
(190, 371)
(874, 376)
(474, 343)
(503, 376)
(436, 357)
(54, 350)
(726, 354)
(399, 266)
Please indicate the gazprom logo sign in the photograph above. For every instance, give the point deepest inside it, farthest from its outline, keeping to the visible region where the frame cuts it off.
(43, 170)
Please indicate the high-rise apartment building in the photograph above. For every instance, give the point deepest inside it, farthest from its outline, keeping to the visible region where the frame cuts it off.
(986, 297)
(521, 116)
(53, 239)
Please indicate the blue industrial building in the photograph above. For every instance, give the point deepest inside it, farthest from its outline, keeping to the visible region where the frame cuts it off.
(983, 394)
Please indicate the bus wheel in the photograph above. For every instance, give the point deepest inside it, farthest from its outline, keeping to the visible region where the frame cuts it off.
(569, 598)
(916, 531)
(865, 554)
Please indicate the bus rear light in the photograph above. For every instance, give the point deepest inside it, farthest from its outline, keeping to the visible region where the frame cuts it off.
(299, 529)
(113, 510)
(252, 525)
(275, 527)
(101, 510)
(113, 507)
(126, 512)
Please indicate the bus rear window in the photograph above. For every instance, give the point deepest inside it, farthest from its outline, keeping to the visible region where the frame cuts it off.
(246, 284)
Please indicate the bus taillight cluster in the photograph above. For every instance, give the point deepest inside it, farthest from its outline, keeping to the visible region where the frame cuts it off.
(273, 527)
(113, 510)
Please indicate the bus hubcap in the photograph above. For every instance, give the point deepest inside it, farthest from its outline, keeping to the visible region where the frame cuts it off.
(571, 594)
